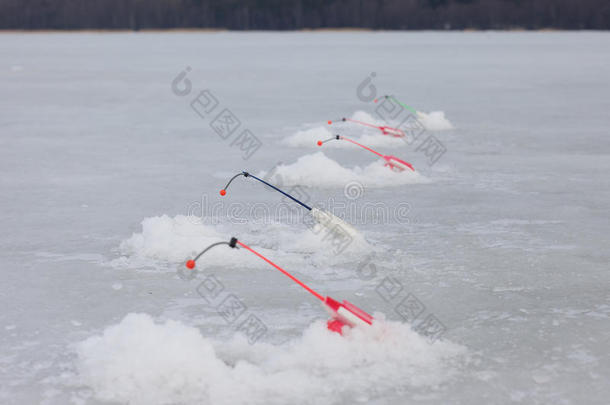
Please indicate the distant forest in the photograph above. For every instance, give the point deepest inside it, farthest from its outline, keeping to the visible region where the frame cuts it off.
(304, 14)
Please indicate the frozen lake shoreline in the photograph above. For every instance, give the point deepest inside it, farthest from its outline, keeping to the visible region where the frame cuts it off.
(505, 242)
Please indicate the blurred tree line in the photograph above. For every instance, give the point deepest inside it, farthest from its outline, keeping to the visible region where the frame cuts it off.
(302, 14)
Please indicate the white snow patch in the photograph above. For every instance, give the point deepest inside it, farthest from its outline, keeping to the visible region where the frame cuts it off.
(139, 361)
(434, 121)
(174, 240)
(171, 239)
(371, 137)
(318, 170)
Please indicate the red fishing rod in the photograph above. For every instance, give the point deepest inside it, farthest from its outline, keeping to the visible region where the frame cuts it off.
(342, 313)
(390, 131)
(392, 162)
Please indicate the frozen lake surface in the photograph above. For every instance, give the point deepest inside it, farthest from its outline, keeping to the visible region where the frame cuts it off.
(109, 180)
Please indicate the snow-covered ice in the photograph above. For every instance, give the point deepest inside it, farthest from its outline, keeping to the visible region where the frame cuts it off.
(125, 364)
(109, 180)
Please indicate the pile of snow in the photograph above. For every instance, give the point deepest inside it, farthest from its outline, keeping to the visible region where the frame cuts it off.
(433, 121)
(142, 362)
(164, 239)
(308, 138)
(171, 239)
(318, 170)
(366, 117)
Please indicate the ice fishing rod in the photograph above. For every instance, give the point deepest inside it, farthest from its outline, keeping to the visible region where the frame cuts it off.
(342, 313)
(392, 162)
(413, 110)
(233, 244)
(321, 216)
(395, 132)
(223, 192)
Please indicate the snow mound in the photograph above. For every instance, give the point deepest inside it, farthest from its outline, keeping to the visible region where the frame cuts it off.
(170, 239)
(366, 117)
(164, 239)
(318, 170)
(434, 121)
(309, 138)
(138, 361)
(367, 136)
